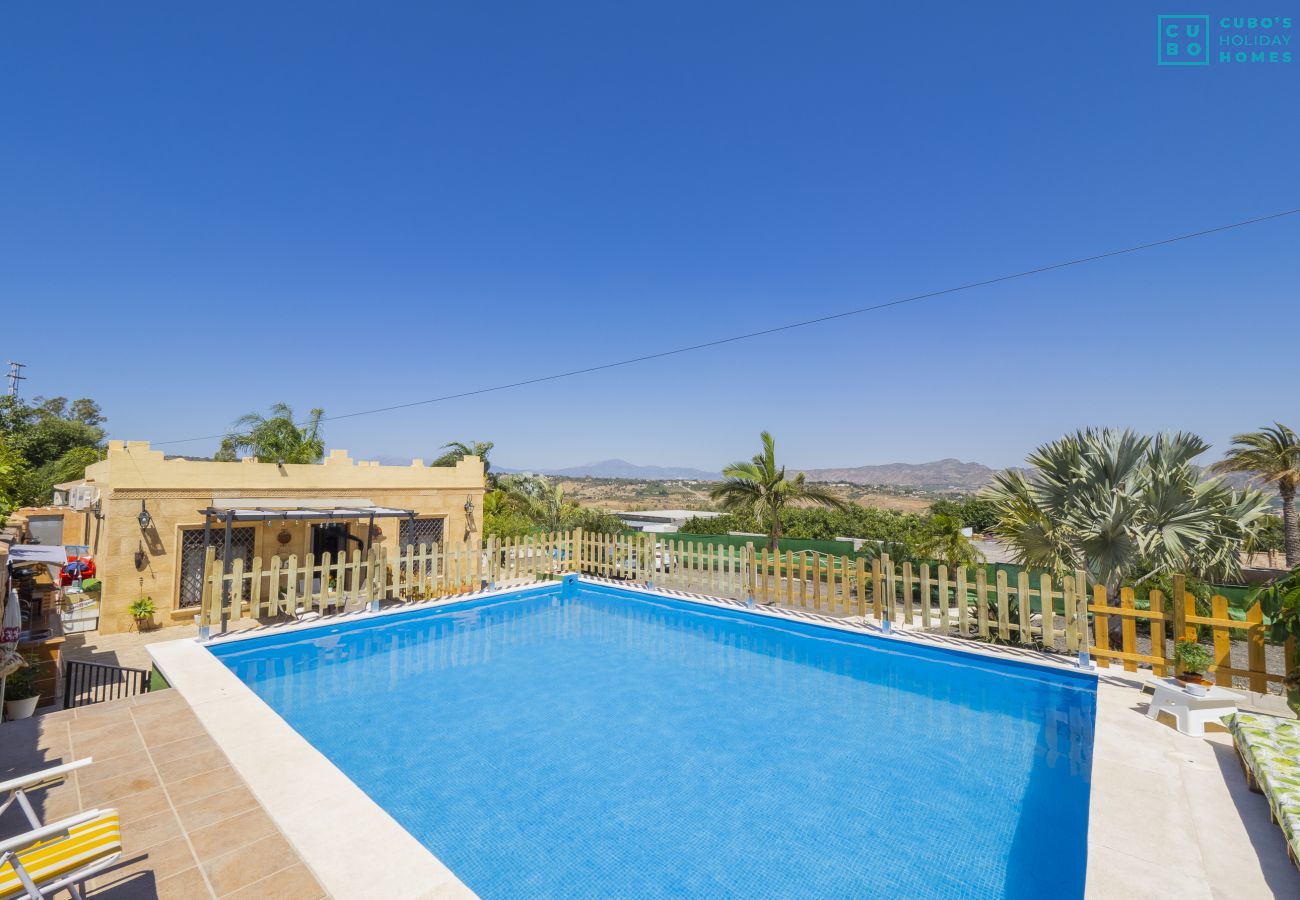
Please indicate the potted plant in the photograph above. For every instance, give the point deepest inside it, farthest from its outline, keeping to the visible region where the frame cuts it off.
(1193, 660)
(21, 692)
(142, 611)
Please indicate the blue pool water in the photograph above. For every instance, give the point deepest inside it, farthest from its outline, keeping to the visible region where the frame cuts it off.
(602, 743)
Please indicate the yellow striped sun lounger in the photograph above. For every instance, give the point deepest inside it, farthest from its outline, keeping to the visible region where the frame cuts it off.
(61, 855)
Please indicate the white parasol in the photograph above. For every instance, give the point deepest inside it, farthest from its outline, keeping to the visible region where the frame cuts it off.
(10, 659)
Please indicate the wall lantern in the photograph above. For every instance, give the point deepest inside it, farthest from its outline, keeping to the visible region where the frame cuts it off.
(469, 505)
(144, 518)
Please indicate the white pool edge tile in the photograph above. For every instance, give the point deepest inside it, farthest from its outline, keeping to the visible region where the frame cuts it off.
(260, 744)
(352, 846)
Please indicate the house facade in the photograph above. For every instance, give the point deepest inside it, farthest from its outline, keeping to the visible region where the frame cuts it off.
(151, 518)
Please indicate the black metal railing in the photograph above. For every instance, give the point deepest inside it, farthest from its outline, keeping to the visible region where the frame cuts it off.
(85, 683)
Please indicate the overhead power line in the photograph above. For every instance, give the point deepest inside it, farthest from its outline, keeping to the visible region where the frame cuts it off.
(790, 326)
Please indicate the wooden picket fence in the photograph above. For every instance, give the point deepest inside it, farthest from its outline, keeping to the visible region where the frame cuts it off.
(354, 581)
(1060, 614)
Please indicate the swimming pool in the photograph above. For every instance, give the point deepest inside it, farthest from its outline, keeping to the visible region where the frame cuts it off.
(593, 741)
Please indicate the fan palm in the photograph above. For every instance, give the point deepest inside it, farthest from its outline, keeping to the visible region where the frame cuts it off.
(1272, 455)
(760, 488)
(1124, 507)
(275, 438)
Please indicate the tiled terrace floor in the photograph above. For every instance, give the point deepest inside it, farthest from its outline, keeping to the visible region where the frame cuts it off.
(190, 826)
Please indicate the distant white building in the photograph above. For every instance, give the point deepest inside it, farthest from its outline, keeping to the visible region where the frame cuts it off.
(662, 521)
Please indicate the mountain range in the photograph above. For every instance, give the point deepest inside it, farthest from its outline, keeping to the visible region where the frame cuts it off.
(943, 474)
(621, 468)
(939, 475)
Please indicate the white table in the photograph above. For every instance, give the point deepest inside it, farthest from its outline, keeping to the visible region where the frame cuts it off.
(1191, 713)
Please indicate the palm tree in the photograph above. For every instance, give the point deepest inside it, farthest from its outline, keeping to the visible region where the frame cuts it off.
(1125, 507)
(1272, 455)
(945, 540)
(276, 438)
(760, 488)
(455, 451)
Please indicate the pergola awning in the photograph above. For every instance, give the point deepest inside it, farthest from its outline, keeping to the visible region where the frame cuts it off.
(268, 514)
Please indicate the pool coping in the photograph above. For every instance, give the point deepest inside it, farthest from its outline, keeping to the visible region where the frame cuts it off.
(351, 844)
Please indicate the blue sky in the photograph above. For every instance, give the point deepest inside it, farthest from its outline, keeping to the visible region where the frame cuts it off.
(204, 210)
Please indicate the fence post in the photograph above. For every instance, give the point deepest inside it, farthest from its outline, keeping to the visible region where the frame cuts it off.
(205, 595)
(1182, 631)
(1082, 631)
(861, 572)
(750, 567)
(886, 604)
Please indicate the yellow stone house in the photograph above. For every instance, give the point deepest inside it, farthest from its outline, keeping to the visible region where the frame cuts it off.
(151, 517)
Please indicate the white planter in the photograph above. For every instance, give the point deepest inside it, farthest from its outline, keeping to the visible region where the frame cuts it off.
(21, 709)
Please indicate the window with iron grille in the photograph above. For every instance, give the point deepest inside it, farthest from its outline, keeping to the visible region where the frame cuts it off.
(420, 531)
(241, 547)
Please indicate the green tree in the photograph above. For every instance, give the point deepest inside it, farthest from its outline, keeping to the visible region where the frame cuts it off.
(760, 488)
(53, 442)
(944, 540)
(1280, 602)
(455, 451)
(275, 439)
(501, 518)
(12, 470)
(1124, 507)
(973, 512)
(1272, 455)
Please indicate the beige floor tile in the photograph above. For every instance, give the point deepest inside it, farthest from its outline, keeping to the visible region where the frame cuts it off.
(293, 883)
(153, 714)
(102, 770)
(186, 885)
(212, 809)
(185, 747)
(90, 719)
(141, 834)
(167, 729)
(163, 860)
(205, 785)
(240, 830)
(108, 742)
(137, 806)
(162, 698)
(247, 865)
(128, 886)
(173, 769)
(119, 787)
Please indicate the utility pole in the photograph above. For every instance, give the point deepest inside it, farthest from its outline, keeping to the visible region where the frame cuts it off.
(15, 375)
